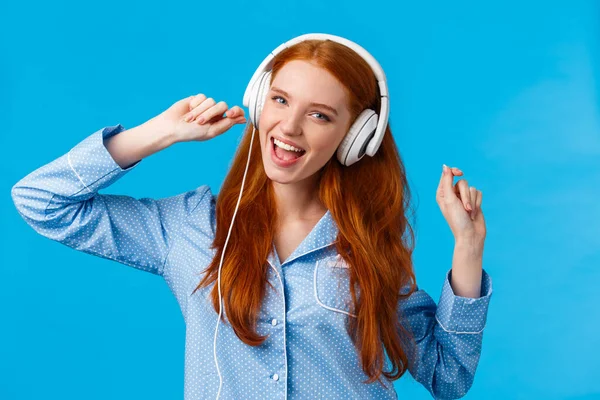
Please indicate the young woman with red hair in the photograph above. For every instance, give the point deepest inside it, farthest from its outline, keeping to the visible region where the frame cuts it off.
(317, 290)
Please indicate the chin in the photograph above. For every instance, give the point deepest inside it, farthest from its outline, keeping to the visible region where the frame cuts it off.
(280, 176)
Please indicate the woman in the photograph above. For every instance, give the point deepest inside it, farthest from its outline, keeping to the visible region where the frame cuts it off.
(317, 296)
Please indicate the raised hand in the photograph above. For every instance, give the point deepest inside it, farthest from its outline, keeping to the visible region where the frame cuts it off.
(184, 118)
(460, 206)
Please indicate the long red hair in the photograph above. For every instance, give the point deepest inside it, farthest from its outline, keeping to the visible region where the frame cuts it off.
(375, 237)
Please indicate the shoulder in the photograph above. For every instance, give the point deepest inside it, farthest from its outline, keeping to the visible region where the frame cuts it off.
(194, 208)
(198, 200)
(202, 206)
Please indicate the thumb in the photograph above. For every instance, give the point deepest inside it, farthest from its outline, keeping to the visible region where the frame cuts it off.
(446, 182)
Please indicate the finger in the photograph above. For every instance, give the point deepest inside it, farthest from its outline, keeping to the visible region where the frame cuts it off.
(472, 199)
(200, 120)
(235, 111)
(463, 188)
(440, 189)
(221, 126)
(478, 202)
(219, 118)
(197, 100)
(446, 181)
(214, 111)
(199, 109)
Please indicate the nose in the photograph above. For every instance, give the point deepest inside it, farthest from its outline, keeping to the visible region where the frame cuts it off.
(291, 123)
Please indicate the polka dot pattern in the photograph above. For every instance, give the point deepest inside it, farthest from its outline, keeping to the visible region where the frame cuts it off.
(308, 353)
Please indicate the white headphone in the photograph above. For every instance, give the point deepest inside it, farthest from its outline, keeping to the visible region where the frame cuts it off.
(364, 136)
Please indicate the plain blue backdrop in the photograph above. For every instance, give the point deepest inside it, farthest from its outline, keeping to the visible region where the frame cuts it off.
(506, 91)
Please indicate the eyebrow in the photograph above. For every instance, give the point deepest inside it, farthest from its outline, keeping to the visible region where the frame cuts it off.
(333, 110)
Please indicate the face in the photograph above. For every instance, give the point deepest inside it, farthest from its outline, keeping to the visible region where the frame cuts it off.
(288, 114)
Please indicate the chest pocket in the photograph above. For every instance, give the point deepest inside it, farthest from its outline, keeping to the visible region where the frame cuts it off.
(332, 285)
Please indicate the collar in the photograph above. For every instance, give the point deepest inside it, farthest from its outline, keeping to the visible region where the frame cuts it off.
(323, 234)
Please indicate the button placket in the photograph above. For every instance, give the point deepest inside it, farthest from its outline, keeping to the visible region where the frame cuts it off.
(274, 322)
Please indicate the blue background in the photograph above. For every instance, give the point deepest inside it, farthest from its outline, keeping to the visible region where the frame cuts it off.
(506, 91)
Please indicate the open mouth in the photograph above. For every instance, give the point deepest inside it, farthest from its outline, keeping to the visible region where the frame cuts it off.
(285, 155)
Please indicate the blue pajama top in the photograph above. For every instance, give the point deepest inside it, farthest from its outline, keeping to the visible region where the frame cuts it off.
(308, 354)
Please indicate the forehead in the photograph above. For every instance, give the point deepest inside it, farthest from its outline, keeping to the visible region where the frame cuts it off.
(307, 81)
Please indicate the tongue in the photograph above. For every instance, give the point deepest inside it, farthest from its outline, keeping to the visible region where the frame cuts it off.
(285, 154)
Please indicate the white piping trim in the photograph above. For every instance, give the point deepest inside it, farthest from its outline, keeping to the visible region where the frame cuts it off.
(471, 333)
(317, 297)
(75, 172)
(284, 324)
(310, 251)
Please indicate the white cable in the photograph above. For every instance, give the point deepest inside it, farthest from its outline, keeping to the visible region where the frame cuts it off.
(221, 264)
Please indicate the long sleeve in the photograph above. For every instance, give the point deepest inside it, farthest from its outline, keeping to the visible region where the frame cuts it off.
(60, 201)
(448, 338)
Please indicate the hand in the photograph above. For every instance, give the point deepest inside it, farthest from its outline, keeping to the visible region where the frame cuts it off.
(461, 206)
(174, 118)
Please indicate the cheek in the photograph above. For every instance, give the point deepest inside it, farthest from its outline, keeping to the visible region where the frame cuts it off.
(264, 146)
(328, 145)
(265, 116)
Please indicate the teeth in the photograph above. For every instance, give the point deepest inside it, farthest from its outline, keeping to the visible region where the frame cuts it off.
(279, 143)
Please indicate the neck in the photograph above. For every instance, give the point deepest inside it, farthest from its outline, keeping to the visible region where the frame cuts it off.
(298, 201)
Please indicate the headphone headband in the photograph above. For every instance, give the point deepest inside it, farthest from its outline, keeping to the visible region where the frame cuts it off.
(383, 114)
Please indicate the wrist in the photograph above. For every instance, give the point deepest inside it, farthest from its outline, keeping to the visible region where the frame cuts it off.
(163, 131)
(472, 243)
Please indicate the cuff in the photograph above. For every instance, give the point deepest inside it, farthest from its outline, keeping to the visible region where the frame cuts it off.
(93, 164)
(458, 314)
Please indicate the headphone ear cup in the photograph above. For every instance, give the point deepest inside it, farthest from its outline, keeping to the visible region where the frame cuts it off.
(355, 142)
(252, 97)
(258, 97)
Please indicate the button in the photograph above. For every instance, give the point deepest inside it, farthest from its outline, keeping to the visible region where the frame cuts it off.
(275, 377)
(273, 322)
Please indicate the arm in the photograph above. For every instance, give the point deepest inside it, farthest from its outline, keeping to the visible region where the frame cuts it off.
(467, 267)
(447, 337)
(131, 146)
(60, 200)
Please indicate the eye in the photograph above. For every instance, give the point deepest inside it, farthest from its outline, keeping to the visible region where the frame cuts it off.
(325, 117)
(277, 97)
